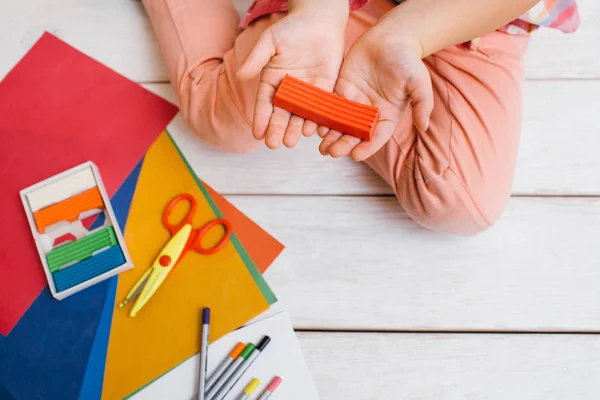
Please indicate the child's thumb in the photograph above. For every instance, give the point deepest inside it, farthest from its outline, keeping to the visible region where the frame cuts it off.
(421, 97)
(259, 57)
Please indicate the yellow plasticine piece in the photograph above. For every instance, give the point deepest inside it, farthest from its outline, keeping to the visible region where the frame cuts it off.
(165, 333)
(173, 250)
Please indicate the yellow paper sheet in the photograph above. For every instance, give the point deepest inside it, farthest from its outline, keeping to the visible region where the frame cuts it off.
(167, 330)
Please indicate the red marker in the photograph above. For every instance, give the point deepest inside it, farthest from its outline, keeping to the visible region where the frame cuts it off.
(271, 388)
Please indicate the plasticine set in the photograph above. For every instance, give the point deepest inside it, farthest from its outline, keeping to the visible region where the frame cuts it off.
(75, 230)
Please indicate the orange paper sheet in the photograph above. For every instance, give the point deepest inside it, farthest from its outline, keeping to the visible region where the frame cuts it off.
(166, 331)
(261, 246)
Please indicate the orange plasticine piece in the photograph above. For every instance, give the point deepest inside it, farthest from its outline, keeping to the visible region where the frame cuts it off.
(68, 210)
(327, 109)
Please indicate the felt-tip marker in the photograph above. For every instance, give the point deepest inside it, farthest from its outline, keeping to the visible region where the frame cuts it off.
(241, 370)
(249, 390)
(230, 371)
(271, 388)
(203, 353)
(235, 353)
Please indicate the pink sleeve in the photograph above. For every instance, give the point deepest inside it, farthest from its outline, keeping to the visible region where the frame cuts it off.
(261, 8)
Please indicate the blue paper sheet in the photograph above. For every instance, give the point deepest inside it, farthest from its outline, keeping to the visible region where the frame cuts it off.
(51, 353)
(4, 395)
(45, 355)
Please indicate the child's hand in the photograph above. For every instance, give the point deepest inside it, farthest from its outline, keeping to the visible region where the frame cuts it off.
(384, 71)
(307, 46)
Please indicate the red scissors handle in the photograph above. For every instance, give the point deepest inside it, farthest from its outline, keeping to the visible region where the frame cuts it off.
(174, 228)
(197, 243)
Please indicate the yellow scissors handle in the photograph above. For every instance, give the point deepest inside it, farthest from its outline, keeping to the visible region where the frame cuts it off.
(159, 270)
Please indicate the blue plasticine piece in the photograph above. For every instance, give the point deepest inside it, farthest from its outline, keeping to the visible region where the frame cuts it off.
(89, 268)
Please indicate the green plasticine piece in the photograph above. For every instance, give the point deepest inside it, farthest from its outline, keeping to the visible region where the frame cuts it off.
(81, 249)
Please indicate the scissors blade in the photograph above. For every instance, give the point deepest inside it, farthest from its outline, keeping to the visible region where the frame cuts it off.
(137, 288)
(161, 267)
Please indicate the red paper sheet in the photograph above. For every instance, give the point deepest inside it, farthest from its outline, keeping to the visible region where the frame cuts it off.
(59, 108)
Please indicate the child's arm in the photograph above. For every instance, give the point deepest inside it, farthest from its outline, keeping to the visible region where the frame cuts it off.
(308, 44)
(384, 67)
(437, 24)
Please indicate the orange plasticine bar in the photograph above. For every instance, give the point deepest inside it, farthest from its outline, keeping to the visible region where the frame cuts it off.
(68, 210)
(327, 109)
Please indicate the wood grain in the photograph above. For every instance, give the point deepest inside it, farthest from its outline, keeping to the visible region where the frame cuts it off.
(118, 34)
(453, 367)
(553, 54)
(360, 263)
(558, 152)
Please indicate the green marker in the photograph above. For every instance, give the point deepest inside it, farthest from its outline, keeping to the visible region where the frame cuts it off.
(230, 371)
(241, 370)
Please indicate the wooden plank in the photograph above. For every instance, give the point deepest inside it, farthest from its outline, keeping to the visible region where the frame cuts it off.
(558, 152)
(118, 33)
(115, 32)
(361, 263)
(452, 367)
(553, 54)
(559, 139)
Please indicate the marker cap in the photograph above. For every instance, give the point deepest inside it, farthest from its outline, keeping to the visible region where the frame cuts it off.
(247, 351)
(205, 316)
(263, 343)
(237, 350)
(252, 386)
(274, 383)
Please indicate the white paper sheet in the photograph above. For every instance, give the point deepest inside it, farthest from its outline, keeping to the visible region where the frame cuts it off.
(282, 357)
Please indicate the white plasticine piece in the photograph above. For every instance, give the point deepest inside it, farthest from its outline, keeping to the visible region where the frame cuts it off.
(61, 190)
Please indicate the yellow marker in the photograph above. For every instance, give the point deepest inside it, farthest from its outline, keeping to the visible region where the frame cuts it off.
(249, 389)
(156, 274)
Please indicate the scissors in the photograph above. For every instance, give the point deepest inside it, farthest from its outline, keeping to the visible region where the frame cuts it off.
(184, 238)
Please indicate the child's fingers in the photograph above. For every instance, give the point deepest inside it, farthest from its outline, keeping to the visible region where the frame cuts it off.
(421, 97)
(327, 141)
(263, 110)
(277, 127)
(383, 133)
(343, 146)
(259, 57)
(322, 130)
(309, 128)
(293, 131)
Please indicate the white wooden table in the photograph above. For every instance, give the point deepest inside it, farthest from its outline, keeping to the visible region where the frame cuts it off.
(383, 308)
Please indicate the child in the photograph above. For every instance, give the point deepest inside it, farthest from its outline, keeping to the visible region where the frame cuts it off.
(445, 75)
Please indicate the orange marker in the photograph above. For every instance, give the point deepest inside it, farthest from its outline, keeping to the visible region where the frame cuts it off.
(235, 353)
(327, 109)
(69, 209)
